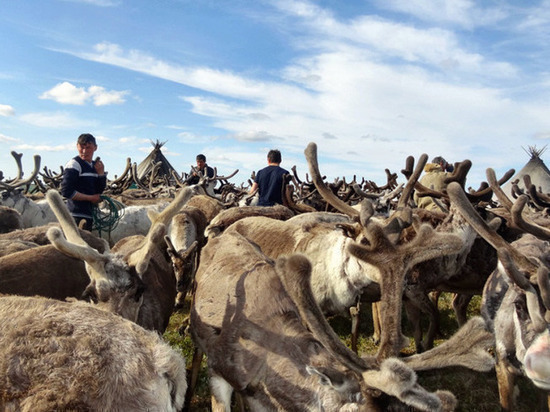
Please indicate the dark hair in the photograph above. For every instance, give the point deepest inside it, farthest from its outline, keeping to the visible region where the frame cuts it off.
(439, 160)
(86, 138)
(274, 156)
(201, 157)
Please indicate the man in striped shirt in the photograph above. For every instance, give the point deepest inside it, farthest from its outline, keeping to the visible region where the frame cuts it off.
(84, 179)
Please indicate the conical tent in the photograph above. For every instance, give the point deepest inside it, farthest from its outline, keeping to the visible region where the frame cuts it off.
(146, 166)
(537, 171)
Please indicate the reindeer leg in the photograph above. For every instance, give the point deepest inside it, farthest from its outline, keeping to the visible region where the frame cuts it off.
(376, 322)
(505, 386)
(355, 313)
(460, 307)
(413, 315)
(195, 368)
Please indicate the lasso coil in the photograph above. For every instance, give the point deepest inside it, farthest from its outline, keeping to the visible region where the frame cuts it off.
(106, 221)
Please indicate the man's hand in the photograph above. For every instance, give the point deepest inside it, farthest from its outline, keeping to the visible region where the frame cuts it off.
(99, 167)
(88, 198)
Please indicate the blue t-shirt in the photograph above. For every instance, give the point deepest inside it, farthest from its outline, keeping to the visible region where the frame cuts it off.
(270, 185)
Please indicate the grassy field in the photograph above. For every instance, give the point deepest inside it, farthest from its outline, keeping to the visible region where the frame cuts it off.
(475, 391)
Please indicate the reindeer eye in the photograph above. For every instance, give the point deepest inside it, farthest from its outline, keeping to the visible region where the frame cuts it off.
(520, 305)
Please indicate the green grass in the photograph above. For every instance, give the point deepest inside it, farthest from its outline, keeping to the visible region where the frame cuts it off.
(475, 391)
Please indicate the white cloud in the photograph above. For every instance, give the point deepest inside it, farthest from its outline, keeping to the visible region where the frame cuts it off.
(7, 139)
(46, 148)
(68, 93)
(370, 85)
(56, 120)
(102, 97)
(6, 110)
(99, 3)
(464, 13)
(379, 38)
(189, 137)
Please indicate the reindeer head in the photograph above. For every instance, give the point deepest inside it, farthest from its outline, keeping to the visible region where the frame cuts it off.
(117, 279)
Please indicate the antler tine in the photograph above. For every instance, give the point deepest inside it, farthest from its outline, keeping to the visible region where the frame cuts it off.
(485, 192)
(174, 207)
(538, 198)
(295, 174)
(521, 222)
(360, 192)
(460, 172)
(497, 190)
(294, 272)
(17, 182)
(311, 157)
(516, 208)
(544, 284)
(66, 221)
(227, 177)
(170, 246)
(136, 179)
(126, 170)
(17, 157)
(407, 191)
(409, 166)
(461, 202)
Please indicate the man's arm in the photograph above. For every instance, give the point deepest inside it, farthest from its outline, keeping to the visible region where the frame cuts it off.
(253, 189)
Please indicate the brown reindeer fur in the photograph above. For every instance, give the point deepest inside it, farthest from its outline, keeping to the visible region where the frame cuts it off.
(8, 247)
(10, 219)
(207, 204)
(60, 356)
(60, 276)
(37, 235)
(228, 216)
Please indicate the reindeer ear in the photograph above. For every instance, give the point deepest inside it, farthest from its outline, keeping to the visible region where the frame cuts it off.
(323, 379)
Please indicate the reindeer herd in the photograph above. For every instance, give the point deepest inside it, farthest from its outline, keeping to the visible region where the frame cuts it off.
(82, 317)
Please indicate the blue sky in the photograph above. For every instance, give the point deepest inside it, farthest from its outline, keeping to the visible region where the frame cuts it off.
(371, 82)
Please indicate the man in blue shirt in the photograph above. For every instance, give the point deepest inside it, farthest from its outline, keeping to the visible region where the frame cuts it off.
(269, 181)
(84, 179)
(202, 167)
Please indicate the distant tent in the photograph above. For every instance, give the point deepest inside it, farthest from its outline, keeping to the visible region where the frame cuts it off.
(536, 169)
(145, 168)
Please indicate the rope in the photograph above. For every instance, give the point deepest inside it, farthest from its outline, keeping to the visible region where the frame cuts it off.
(107, 221)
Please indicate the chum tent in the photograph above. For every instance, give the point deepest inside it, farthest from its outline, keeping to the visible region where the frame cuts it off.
(145, 168)
(536, 169)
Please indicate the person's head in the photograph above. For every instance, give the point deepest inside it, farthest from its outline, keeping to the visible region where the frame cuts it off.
(440, 161)
(201, 161)
(274, 156)
(86, 146)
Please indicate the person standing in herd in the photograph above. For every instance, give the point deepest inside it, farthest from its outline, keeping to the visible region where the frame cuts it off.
(269, 181)
(84, 179)
(202, 167)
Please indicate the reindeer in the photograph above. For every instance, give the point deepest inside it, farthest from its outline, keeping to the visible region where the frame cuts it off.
(516, 299)
(72, 356)
(134, 279)
(247, 316)
(36, 267)
(327, 240)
